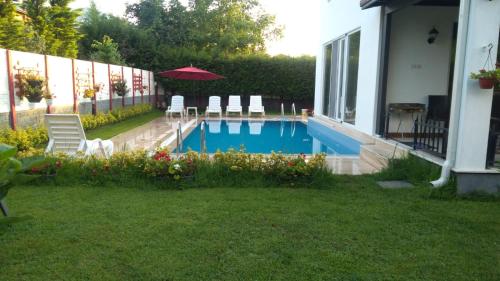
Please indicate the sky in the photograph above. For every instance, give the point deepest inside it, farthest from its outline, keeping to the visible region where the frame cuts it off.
(300, 19)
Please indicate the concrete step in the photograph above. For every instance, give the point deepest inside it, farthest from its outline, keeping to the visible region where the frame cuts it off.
(378, 155)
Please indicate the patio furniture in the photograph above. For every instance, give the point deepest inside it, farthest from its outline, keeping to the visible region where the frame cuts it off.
(256, 106)
(214, 106)
(214, 126)
(234, 105)
(66, 135)
(194, 108)
(176, 106)
(255, 127)
(234, 126)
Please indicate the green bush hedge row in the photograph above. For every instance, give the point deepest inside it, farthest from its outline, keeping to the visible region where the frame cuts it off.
(282, 77)
(229, 169)
(27, 138)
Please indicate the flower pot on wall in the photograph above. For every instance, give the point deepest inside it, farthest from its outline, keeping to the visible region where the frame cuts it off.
(486, 83)
(34, 99)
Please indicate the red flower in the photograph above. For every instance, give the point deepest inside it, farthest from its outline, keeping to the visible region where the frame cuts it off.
(290, 164)
(35, 170)
(58, 164)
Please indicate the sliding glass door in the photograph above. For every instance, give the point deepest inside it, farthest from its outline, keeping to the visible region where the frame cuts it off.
(341, 78)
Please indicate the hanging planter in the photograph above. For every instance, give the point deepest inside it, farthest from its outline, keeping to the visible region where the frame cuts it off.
(120, 88)
(486, 78)
(33, 87)
(88, 93)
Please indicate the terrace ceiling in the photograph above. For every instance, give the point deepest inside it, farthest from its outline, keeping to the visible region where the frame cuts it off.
(365, 4)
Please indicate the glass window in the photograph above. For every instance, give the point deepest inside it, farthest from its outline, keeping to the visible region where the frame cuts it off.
(352, 77)
(326, 86)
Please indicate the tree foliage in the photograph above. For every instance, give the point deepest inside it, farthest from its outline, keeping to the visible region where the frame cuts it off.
(13, 34)
(106, 51)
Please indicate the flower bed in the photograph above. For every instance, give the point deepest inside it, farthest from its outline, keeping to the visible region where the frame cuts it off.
(232, 168)
(26, 139)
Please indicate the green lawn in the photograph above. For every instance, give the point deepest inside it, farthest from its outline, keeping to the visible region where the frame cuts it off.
(109, 131)
(352, 231)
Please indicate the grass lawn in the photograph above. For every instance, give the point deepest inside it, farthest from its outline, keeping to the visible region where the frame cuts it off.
(352, 231)
(109, 131)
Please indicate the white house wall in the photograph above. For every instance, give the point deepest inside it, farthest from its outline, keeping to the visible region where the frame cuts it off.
(475, 110)
(337, 19)
(418, 69)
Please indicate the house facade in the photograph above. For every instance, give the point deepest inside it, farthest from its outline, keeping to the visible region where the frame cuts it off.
(400, 70)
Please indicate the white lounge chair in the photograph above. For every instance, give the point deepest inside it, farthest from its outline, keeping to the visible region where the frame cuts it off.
(176, 106)
(255, 127)
(66, 135)
(234, 126)
(256, 106)
(214, 106)
(214, 126)
(234, 105)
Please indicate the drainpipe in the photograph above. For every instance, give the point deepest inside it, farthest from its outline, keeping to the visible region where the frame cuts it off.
(457, 94)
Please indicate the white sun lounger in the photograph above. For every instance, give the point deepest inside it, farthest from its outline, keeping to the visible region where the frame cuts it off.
(234, 105)
(214, 106)
(66, 135)
(256, 106)
(176, 106)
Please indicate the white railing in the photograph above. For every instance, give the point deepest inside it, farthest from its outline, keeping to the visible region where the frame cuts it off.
(282, 111)
(203, 138)
(294, 113)
(179, 138)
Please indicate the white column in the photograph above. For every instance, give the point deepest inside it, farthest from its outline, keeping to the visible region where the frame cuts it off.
(472, 141)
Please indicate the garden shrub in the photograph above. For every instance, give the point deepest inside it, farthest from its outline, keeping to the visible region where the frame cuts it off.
(232, 168)
(25, 139)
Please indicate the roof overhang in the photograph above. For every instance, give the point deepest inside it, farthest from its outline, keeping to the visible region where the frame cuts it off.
(365, 4)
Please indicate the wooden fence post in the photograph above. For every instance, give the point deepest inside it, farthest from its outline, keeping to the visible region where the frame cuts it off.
(75, 94)
(46, 61)
(123, 97)
(110, 88)
(94, 98)
(12, 101)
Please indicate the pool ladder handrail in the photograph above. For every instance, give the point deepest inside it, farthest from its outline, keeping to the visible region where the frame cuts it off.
(203, 138)
(179, 138)
(282, 111)
(294, 113)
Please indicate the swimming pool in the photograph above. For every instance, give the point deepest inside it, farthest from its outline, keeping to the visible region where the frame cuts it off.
(265, 136)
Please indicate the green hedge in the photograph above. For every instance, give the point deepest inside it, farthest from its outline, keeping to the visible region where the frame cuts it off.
(282, 77)
(28, 138)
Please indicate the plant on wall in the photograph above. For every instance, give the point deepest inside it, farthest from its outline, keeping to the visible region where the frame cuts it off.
(486, 78)
(120, 88)
(33, 87)
(88, 93)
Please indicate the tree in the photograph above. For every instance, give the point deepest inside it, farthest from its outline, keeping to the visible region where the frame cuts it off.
(13, 34)
(55, 26)
(106, 51)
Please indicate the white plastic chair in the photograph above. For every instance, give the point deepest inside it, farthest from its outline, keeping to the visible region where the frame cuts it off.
(255, 127)
(214, 106)
(234, 126)
(176, 106)
(214, 126)
(256, 106)
(234, 105)
(66, 135)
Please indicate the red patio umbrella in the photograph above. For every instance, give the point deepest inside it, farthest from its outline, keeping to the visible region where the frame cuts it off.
(190, 73)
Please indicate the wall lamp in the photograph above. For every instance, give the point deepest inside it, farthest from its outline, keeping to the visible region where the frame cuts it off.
(432, 35)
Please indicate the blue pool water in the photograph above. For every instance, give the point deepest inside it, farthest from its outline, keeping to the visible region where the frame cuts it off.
(264, 136)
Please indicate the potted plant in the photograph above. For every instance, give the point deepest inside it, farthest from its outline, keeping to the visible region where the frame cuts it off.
(88, 93)
(98, 87)
(120, 88)
(486, 78)
(33, 88)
